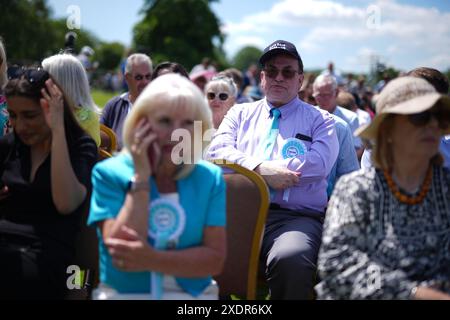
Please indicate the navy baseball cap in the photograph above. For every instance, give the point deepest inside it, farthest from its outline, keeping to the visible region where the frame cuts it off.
(280, 46)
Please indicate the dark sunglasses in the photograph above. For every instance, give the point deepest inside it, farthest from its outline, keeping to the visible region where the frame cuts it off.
(421, 119)
(222, 96)
(139, 77)
(34, 76)
(287, 73)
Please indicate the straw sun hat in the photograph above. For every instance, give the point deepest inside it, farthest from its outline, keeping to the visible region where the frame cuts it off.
(405, 95)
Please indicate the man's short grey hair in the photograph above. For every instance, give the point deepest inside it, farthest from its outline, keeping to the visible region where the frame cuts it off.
(138, 58)
(324, 80)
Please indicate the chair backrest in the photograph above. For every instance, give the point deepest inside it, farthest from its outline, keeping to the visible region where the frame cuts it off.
(108, 139)
(247, 207)
(103, 154)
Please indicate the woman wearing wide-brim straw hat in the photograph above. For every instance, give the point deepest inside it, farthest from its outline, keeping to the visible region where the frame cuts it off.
(387, 229)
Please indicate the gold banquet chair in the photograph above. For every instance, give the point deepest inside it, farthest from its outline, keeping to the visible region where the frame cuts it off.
(108, 142)
(247, 207)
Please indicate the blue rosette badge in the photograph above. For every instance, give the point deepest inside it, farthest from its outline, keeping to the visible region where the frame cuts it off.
(292, 148)
(167, 222)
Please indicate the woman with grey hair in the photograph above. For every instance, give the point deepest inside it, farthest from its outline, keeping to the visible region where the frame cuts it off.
(69, 73)
(387, 228)
(221, 93)
(4, 127)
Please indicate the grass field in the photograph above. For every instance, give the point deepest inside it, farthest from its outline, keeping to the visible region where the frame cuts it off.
(102, 97)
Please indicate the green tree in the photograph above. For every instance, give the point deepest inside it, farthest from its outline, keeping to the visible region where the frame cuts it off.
(246, 56)
(109, 55)
(30, 34)
(59, 30)
(24, 28)
(184, 31)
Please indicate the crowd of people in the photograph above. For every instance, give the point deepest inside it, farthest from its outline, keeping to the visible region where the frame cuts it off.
(359, 180)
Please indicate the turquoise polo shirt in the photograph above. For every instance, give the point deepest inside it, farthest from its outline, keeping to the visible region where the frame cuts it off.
(202, 196)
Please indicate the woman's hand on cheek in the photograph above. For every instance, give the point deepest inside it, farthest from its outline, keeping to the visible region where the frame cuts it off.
(142, 139)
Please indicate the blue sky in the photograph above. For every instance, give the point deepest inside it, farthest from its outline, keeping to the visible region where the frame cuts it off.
(352, 33)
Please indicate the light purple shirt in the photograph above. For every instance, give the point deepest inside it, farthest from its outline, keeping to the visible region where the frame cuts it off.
(246, 125)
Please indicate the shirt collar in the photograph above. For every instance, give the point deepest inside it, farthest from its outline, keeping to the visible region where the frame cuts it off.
(126, 96)
(285, 110)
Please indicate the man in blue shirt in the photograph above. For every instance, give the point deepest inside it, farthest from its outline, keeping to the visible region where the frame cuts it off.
(347, 160)
(325, 92)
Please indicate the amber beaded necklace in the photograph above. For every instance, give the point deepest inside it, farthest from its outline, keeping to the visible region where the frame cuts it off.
(405, 198)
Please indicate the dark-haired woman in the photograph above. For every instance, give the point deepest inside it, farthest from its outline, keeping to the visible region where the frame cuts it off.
(45, 168)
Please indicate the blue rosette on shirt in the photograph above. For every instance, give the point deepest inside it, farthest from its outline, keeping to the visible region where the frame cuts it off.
(292, 148)
(167, 222)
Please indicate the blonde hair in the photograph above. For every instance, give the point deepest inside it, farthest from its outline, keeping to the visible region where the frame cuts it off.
(70, 74)
(382, 157)
(346, 100)
(3, 66)
(169, 91)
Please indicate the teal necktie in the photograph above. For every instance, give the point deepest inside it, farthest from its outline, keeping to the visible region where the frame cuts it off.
(269, 142)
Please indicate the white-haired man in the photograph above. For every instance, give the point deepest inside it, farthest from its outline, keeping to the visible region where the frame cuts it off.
(138, 72)
(325, 92)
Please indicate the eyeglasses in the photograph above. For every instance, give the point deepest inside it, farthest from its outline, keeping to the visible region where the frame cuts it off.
(222, 96)
(421, 119)
(34, 76)
(287, 73)
(139, 77)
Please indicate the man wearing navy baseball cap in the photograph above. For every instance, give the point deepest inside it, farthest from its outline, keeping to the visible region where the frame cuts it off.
(281, 46)
(293, 145)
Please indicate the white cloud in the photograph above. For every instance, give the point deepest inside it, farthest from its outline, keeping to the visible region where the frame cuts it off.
(250, 41)
(439, 61)
(240, 42)
(307, 11)
(362, 59)
(403, 34)
(245, 26)
(309, 46)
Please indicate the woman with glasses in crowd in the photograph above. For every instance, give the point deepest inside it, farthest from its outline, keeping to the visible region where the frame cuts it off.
(221, 93)
(45, 168)
(387, 229)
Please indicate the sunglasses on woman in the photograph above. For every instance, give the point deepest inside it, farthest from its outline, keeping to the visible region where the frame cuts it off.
(35, 76)
(222, 96)
(422, 118)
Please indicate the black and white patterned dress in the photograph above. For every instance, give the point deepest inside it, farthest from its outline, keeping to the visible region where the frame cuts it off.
(375, 247)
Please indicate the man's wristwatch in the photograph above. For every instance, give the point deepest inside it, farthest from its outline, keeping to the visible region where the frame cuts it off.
(134, 186)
